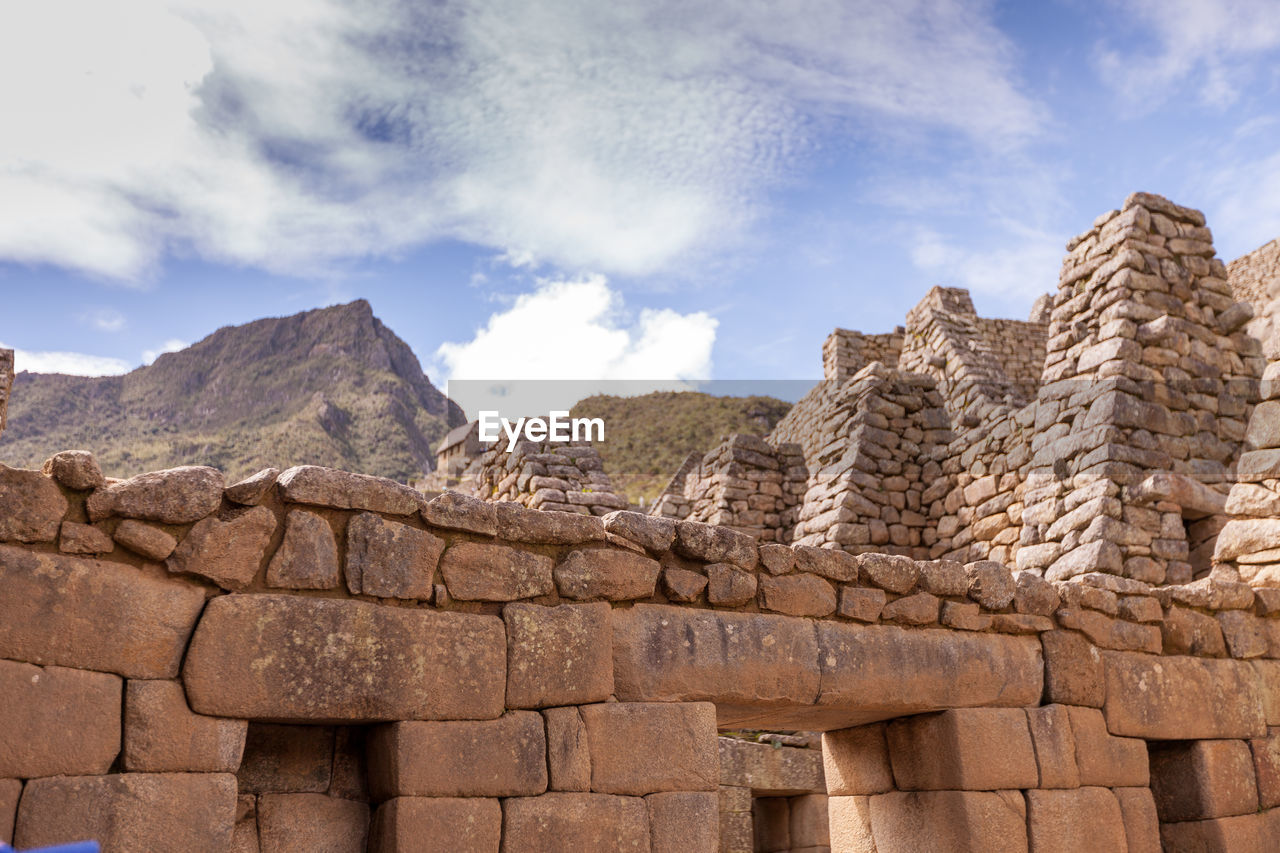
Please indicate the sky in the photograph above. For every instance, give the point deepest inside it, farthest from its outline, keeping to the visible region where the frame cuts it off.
(582, 190)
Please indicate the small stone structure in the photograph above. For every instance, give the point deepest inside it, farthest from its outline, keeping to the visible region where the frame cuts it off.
(6, 383)
(559, 476)
(1255, 278)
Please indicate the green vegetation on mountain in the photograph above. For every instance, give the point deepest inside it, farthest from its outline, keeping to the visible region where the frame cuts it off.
(647, 437)
(332, 387)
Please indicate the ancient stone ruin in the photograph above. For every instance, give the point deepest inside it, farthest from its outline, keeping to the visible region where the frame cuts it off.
(1000, 611)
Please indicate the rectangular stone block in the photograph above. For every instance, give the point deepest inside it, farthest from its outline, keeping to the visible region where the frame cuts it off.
(287, 759)
(1195, 780)
(683, 822)
(1266, 765)
(1076, 820)
(558, 655)
(1055, 746)
(1182, 698)
(770, 770)
(955, 821)
(1141, 825)
(1269, 683)
(568, 756)
(436, 825)
(10, 793)
(506, 757)
(283, 657)
(1073, 671)
(129, 811)
(89, 614)
(1102, 758)
(849, 822)
(810, 825)
(483, 571)
(647, 747)
(162, 735)
(771, 823)
(856, 761)
(56, 721)
(554, 823)
(749, 664)
(1243, 832)
(876, 672)
(312, 822)
(973, 749)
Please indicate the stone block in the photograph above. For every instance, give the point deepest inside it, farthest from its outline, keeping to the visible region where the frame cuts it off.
(308, 555)
(890, 572)
(75, 469)
(78, 538)
(436, 825)
(252, 489)
(558, 655)
(1141, 824)
(350, 769)
(568, 755)
(770, 770)
(862, 604)
(645, 747)
(388, 559)
(810, 824)
(1102, 758)
(300, 823)
(713, 544)
(683, 822)
(728, 586)
(973, 749)
(228, 552)
(771, 822)
(244, 836)
(1199, 779)
(920, 608)
(554, 823)
(681, 584)
(1266, 766)
(287, 759)
(506, 757)
(57, 721)
(856, 761)
(129, 811)
(1164, 698)
(477, 571)
(653, 533)
(1073, 670)
(1243, 832)
(313, 484)
(849, 824)
(1073, 821)
(10, 793)
(176, 496)
(742, 661)
(1185, 631)
(142, 538)
(955, 821)
(606, 573)
(162, 735)
(282, 657)
(456, 511)
(88, 614)
(1055, 746)
(517, 523)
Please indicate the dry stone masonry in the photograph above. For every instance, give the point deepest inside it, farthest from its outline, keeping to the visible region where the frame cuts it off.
(6, 382)
(565, 477)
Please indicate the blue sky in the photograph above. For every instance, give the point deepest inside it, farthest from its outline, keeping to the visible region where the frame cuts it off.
(575, 189)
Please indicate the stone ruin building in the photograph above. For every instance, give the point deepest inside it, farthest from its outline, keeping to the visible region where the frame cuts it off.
(991, 586)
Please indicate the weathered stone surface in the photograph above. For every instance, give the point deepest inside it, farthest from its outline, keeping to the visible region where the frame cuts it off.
(973, 749)
(890, 572)
(663, 653)
(920, 608)
(313, 484)
(715, 544)
(10, 792)
(955, 821)
(653, 533)
(1184, 631)
(1141, 825)
(856, 761)
(521, 524)
(1266, 765)
(34, 506)
(287, 759)
(1055, 746)
(78, 538)
(252, 489)
(1101, 757)
(861, 603)
(1101, 556)
(69, 611)
(57, 721)
(312, 822)
(129, 811)
(606, 573)
(682, 584)
(389, 559)
(1199, 779)
(625, 737)
(769, 769)
(728, 586)
(826, 562)
(558, 655)
(75, 469)
(437, 825)
(230, 552)
(683, 822)
(568, 757)
(990, 584)
(1247, 536)
(1073, 821)
(1243, 832)
(456, 511)
(141, 538)
(506, 757)
(889, 671)
(1181, 697)
(850, 824)
(797, 595)
(1033, 594)
(1073, 670)
(162, 735)
(279, 657)
(308, 555)
(176, 496)
(777, 559)
(475, 571)
(557, 822)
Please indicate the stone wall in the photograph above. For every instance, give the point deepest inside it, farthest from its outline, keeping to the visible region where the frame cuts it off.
(559, 476)
(6, 383)
(846, 352)
(1255, 279)
(316, 655)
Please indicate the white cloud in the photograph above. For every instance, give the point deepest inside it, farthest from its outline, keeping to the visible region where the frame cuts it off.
(579, 329)
(74, 363)
(296, 134)
(171, 345)
(1024, 271)
(1207, 44)
(104, 319)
